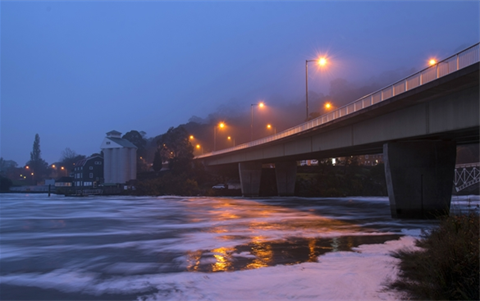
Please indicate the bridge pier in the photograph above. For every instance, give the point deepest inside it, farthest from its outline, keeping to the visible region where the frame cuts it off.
(250, 175)
(285, 174)
(419, 177)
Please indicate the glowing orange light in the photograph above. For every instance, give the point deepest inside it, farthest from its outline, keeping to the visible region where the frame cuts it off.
(432, 62)
(198, 145)
(221, 125)
(62, 168)
(27, 167)
(229, 138)
(191, 136)
(322, 61)
(53, 165)
(269, 126)
(32, 173)
(261, 105)
(328, 106)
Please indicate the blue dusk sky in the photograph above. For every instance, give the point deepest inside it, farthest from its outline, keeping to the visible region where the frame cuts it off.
(73, 70)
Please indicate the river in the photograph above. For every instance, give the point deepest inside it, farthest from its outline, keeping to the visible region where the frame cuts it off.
(201, 248)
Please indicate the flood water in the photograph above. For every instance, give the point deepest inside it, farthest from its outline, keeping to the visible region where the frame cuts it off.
(117, 247)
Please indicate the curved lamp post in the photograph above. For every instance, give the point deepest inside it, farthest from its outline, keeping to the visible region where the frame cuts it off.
(260, 105)
(220, 125)
(231, 139)
(322, 62)
(270, 127)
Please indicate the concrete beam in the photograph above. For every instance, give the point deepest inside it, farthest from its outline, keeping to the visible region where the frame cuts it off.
(419, 177)
(286, 174)
(250, 175)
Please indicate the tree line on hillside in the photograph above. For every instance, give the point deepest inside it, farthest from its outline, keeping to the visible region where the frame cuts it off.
(176, 148)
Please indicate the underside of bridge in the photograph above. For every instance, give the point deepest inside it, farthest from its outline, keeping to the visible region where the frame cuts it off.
(419, 176)
(417, 131)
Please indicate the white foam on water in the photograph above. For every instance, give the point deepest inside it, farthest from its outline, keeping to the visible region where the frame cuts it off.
(358, 275)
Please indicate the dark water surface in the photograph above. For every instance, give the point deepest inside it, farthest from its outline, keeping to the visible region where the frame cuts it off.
(47, 240)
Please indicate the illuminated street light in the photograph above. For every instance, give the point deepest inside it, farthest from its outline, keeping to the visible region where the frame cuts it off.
(432, 62)
(231, 139)
(220, 125)
(260, 105)
(191, 137)
(270, 127)
(321, 62)
(328, 106)
(199, 147)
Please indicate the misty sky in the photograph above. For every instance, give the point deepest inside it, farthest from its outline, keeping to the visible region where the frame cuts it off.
(72, 71)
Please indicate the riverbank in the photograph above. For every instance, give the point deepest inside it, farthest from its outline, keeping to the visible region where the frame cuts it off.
(446, 265)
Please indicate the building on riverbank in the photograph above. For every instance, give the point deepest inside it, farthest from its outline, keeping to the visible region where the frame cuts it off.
(120, 163)
(89, 171)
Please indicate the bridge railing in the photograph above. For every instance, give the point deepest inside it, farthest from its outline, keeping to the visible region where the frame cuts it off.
(466, 175)
(460, 60)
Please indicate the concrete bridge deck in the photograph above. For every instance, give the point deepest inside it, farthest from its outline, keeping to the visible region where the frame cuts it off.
(416, 123)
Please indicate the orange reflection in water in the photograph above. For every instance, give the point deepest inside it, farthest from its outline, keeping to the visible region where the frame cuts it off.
(223, 261)
(193, 260)
(263, 253)
(312, 255)
(245, 220)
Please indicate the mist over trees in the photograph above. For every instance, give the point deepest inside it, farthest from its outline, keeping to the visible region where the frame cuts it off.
(280, 112)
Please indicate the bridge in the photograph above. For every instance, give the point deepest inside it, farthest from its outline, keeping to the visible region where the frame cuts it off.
(416, 123)
(466, 175)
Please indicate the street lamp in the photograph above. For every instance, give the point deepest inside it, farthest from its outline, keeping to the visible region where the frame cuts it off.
(231, 139)
(198, 146)
(260, 105)
(322, 62)
(220, 125)
(432, 61)
(270, 127)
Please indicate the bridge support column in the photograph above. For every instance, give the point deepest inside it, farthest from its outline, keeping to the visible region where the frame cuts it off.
(250, 175)
(286, 174)
(419, 177)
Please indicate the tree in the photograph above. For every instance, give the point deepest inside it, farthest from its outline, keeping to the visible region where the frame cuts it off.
(5, 184)
(69, 158)
(137, 138)
(6, 165)
(174, 146)
(157, 161)
(36, 164)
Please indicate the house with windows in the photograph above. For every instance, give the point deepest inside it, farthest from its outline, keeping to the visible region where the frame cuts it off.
(120, 158)
(88, 173)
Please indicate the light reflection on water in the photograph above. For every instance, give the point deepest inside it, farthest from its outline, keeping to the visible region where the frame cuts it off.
(112, 236)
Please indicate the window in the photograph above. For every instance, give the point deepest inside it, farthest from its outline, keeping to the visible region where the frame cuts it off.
(91, 175)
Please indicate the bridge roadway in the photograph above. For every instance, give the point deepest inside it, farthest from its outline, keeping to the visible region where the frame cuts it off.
(416, 123)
